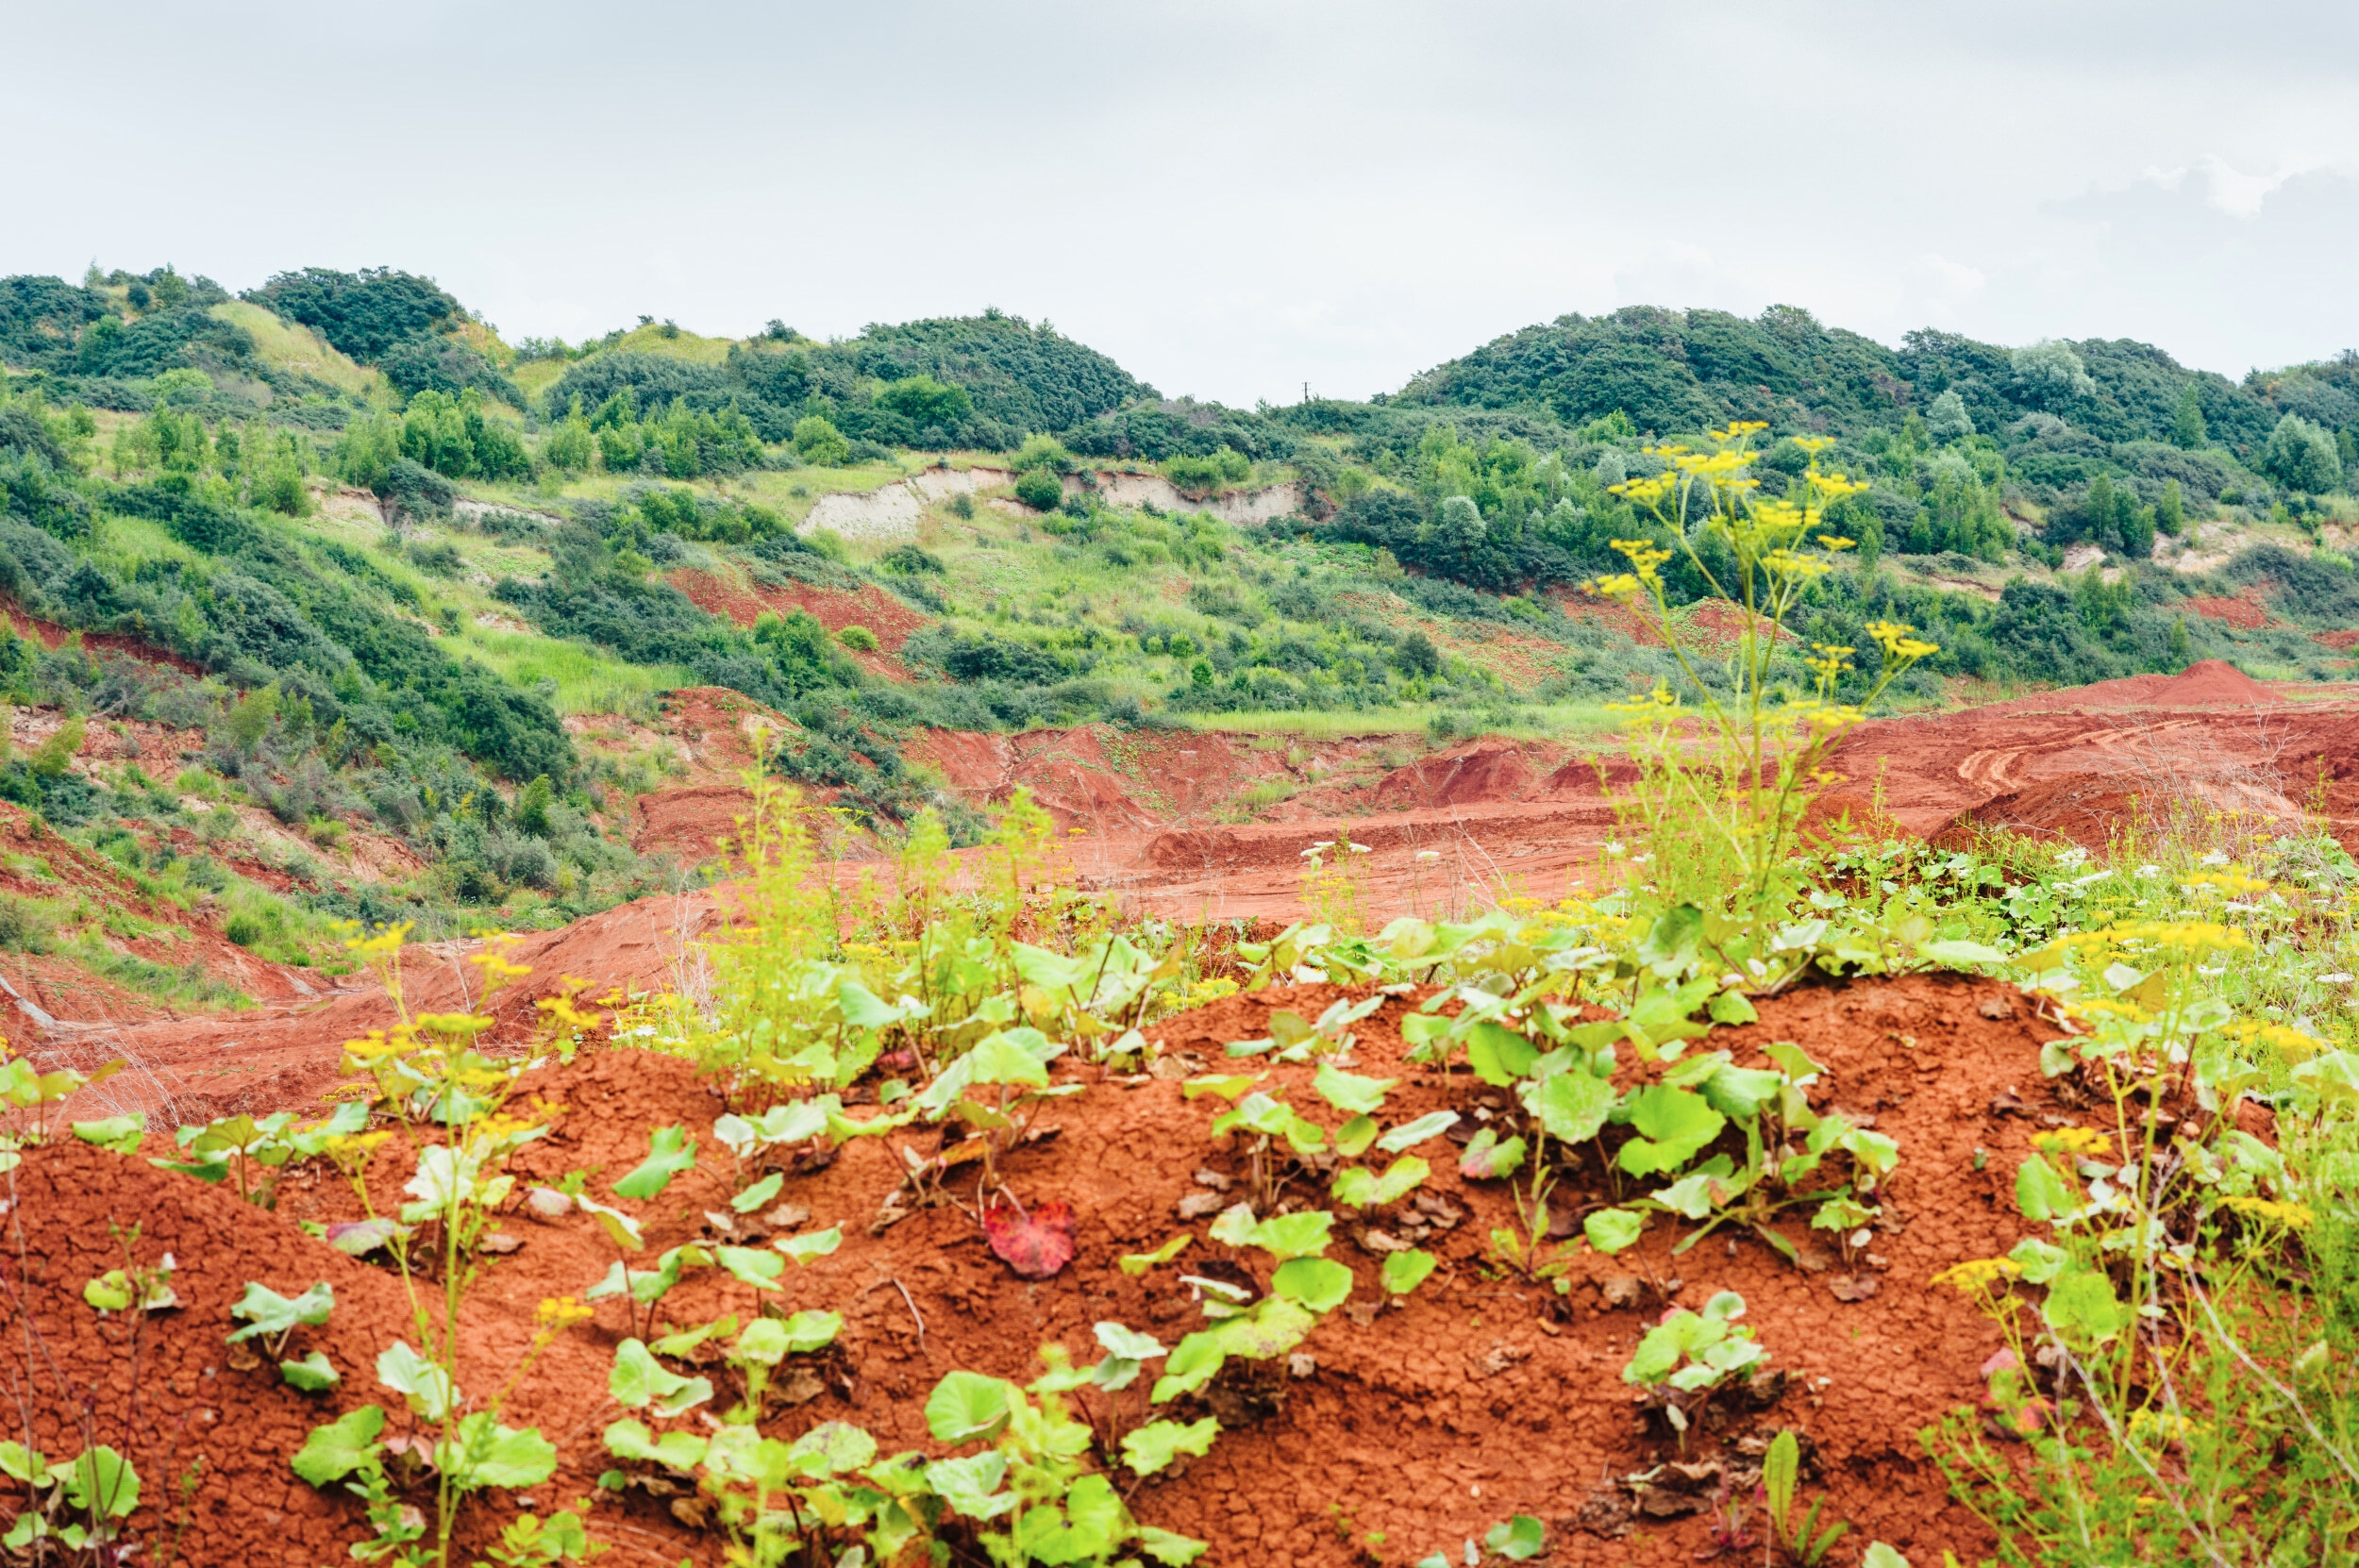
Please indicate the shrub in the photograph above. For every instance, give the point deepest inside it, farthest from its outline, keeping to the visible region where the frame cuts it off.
(819, 443)
(858, 637)
(25, 926)
(1039, 490)
(244, 931)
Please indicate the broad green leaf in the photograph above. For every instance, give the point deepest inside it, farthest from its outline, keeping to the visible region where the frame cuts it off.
(755, 1266)
(1194, 1362)
(808, 1331)
(2331, 1076)
(1003, 1057)
(863, 1009)
(1610, 1230)
(1352, 1092)
(1153, 1448)
(265, 1311)
(1139, 1263)
(967, 1406)
(1571, 1105)
(425, 1385)
(1793, 1061)
(1732, 1008)
(19, 1463)
(1318, 1283)
(759, 1194)
(2040, 1193)
(620, 1227)
(1404, 1272)
(971, 1486)
(2083, 1309)
(484, 1454)
(1498, 1054)
(1431, 1125)
(1673, 1124)
(1353, 1138)
(1486, 1158)
(631, 1440)
(1269, 1328)
(1518, 1539)
(117, 1134)
(101, 1481)
(1299, 1235)
(817, 1244)
(2040, 1261)
(763, 1343)
(1128, 1342)
(1880, 1556)
(670, 1151)
(638, 1381)
(1228, 1088)
(311, 1374)
(687, 1340)
(1959, 954)
(832, 1448)
(1172, 1551)
(343, 1445)
(1741, 1091)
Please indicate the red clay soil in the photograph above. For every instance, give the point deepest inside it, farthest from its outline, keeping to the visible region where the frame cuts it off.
(51, 635)
(2097, 810)
(2247, 612)
(871, 607)
(709, 730)
(1480, 1397)
(282, 1055)
(2341, 642)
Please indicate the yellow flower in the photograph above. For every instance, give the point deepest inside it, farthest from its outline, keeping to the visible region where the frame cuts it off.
(559, 1313)
(1978, 1274)
(2072, 1141)
(2293, 1216)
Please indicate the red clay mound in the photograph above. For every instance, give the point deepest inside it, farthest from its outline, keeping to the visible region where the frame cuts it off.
(1475, 771)
(1477, 1398)
(2095, 810)
(2208, 683)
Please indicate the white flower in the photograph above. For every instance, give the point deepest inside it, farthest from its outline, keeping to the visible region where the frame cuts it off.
(2338, 979)
(2217, 858)
(1428, 855)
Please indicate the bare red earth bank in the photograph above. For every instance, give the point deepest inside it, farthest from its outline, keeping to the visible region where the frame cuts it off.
(1479, 1398)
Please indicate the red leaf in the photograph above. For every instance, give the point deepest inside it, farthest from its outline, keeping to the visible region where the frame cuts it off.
(1036, 1244)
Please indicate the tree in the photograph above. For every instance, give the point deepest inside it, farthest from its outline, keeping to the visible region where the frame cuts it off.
(2050, 372)
(2302, 456)
(1947, 420)
(2171, 513)
(819, 443)
(2186, 428)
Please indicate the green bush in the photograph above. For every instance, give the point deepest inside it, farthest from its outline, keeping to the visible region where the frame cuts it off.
(817, 442)
(244, 931)
(25, 926)
(860, 638)
(1039, 490)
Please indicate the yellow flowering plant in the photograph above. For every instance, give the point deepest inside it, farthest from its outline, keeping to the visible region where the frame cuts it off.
(451, 1102)
(1722, 820)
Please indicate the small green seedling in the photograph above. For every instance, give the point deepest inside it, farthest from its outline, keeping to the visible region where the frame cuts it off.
(79, 1503)
(1686, 1357)
(1800, 1537)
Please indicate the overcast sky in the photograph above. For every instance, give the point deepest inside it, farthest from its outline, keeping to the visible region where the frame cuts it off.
(1230, 198)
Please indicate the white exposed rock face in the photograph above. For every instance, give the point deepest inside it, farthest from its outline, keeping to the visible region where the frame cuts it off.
(892, 511)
